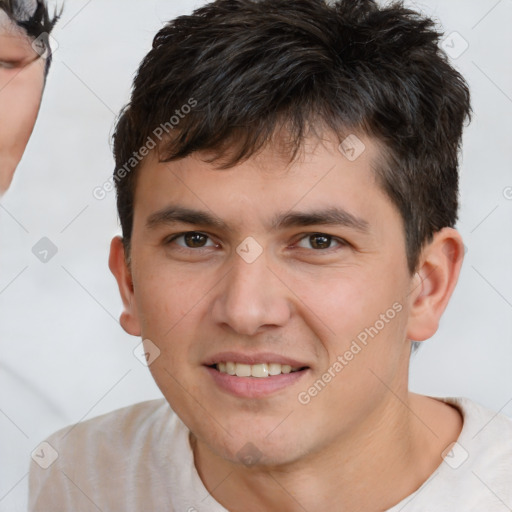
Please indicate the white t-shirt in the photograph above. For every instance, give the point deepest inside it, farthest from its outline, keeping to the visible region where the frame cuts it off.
(138, 459)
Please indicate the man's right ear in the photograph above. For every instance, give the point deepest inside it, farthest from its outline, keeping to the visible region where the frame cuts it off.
(118, 265)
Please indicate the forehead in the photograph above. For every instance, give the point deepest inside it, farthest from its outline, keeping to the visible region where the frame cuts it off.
(255, 190)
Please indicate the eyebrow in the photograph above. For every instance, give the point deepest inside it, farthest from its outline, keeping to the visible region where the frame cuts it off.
(328, 216)
(175, 214)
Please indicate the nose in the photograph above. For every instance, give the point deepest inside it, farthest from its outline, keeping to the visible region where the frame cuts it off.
(251, 298)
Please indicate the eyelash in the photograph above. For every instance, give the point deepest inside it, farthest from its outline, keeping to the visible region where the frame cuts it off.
(340, 241)
(8, 64)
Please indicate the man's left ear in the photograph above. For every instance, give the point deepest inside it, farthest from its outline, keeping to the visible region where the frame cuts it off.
(434, 282)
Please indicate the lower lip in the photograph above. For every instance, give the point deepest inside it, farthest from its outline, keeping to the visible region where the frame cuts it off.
(254, 387)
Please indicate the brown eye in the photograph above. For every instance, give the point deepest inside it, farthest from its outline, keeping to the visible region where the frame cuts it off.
(191, 240)
(320, 241)
(195, 239)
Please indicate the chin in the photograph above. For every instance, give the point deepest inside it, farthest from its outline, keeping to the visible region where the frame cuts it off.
(256, 448)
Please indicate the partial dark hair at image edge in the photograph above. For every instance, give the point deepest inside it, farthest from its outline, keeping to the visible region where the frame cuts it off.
(255, 69)
(39, 23)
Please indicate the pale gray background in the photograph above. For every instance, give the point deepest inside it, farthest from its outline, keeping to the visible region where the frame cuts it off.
(64, 357)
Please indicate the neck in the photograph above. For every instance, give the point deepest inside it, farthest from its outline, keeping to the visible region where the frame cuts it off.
(371, 469)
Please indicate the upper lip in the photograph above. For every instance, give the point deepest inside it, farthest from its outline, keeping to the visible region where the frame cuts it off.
(260, 357)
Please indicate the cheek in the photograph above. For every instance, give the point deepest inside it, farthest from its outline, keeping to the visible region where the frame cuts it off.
(360, 321)
(21, 98)
(169, 303)
(161, 302)
(170, 307)
(19, 104)
(340, 303)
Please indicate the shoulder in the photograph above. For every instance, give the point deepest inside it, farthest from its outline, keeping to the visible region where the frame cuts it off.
(105, 456)
(114, 429)
(476, 472)
(486, 439)
(483, 427)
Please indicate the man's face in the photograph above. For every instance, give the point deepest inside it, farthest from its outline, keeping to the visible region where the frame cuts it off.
(273, 280)
(21, 86)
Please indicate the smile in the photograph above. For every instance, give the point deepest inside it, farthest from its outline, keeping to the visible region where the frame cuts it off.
(259, 370)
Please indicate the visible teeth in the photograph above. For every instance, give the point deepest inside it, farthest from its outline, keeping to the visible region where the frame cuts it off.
(274, 369)
(259, 370)
(243, 370)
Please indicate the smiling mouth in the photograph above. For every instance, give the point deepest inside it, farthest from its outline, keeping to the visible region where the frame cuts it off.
(260, 370)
